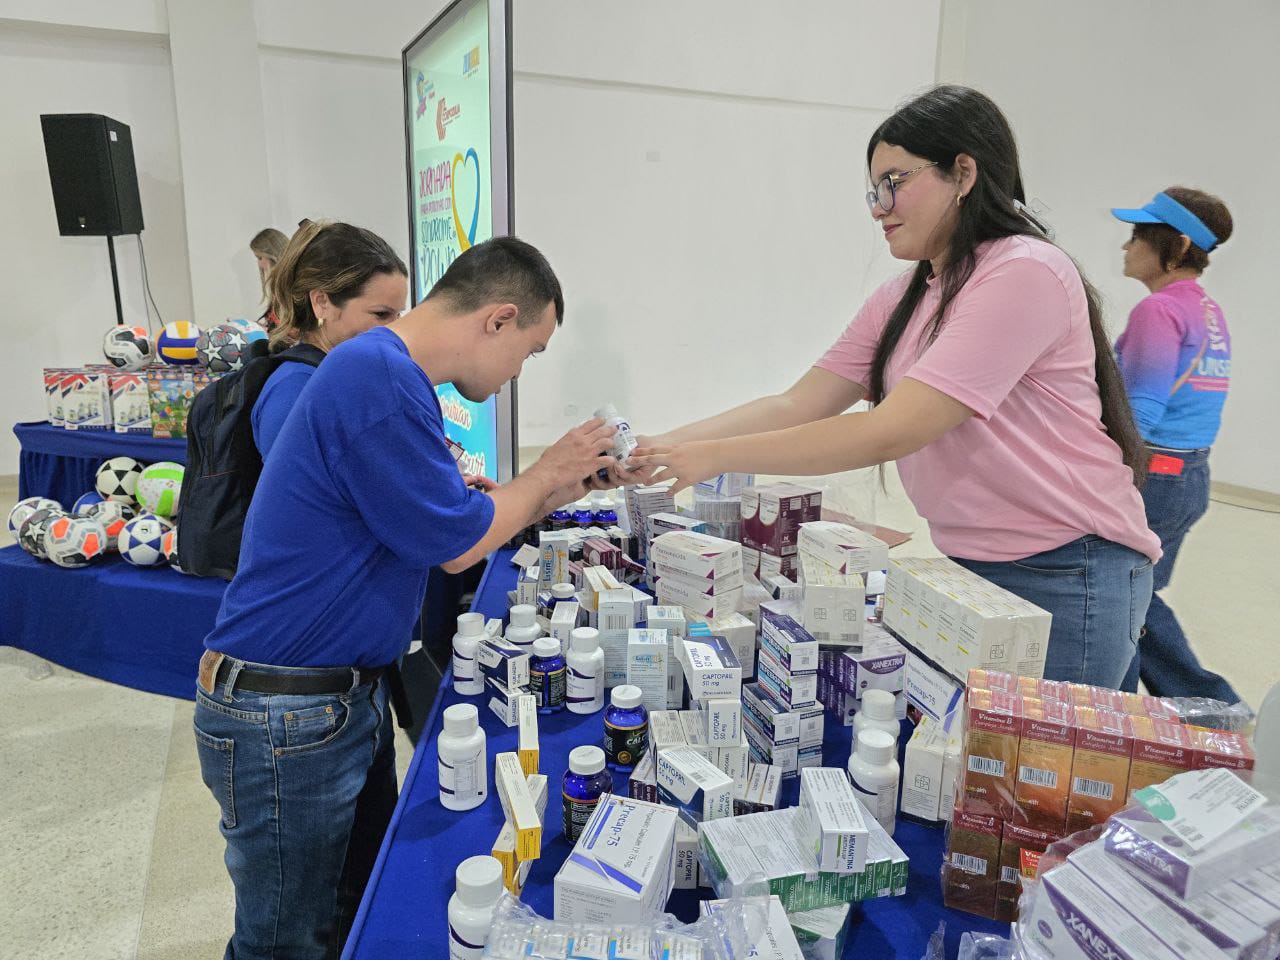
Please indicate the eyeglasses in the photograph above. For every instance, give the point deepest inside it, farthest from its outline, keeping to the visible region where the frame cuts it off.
(885, 191)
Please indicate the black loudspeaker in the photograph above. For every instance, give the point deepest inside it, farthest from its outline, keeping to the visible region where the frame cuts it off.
(95, 184)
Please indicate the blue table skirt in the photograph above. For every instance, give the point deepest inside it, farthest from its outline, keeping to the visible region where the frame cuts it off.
(62, 463)
(403, 914)
(141, 627)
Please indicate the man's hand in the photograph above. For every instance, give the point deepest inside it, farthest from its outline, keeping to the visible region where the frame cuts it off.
(575, 456)
(565, 495)
(483, 484)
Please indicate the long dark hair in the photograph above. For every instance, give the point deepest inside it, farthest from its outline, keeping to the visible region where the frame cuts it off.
(940, 125)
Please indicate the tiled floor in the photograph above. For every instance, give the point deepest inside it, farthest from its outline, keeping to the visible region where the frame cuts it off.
(109, 846)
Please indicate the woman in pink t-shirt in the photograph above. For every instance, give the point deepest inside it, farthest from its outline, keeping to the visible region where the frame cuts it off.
(993, 386)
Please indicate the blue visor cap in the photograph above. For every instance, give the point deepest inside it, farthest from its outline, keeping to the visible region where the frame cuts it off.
(1164, 209)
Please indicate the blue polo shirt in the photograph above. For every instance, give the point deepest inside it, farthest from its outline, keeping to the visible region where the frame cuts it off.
(358, 500)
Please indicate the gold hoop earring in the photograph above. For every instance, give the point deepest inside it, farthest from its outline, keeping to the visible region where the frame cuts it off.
(959, 197)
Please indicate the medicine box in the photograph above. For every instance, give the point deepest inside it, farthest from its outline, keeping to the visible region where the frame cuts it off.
(697, 603)
(790, 690)
(710, 668)
(696, 556)
(778, 724)
(722, 718)
(790, 644)
(670, 619)
(503, 662)
(922, 772)
(504, 701)
(733, 758)
(830, 820)
(694, 785)
(554, 567)
(739, 633)
(643, 782)
(772, 515)
(620, 869)
(647, 666)
(685, 857)
(616, 617)
(564, 619)
(777, 941)
(845, 548)
(504, 847)
(740, 851)
(695, 732)
(518, 806)
(527, 722)
(666, 730)
(834, 604)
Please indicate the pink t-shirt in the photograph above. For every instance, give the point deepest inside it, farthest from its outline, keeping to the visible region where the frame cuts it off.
(1034, 468)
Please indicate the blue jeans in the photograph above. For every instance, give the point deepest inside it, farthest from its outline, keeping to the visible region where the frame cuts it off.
(1096, 590)
(1166, 662)
(307, 785)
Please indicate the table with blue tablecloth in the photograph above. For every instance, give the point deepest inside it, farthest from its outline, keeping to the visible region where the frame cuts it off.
(59, 463)
(142, 627)
(403, 914)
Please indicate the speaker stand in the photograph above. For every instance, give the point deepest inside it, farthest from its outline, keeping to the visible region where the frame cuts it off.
(115, 280)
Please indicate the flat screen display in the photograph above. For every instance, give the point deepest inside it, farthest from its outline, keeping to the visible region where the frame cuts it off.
(457, 84)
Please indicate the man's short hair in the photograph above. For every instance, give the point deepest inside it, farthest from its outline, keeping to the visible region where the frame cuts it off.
(501, 270)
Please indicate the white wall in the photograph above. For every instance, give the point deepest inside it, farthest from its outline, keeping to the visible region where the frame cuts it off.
(1112, 102)
(699, 191)
(58, 289)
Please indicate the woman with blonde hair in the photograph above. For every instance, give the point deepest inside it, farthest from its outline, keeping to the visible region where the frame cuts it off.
(268, 246)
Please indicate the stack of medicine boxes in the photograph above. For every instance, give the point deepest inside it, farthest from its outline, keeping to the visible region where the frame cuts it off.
(505, 667)
(771, 519)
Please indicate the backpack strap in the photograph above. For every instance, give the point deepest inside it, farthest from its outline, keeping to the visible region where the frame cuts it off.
(300, 353)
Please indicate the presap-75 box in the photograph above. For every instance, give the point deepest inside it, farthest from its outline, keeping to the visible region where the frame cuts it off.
(620, 869)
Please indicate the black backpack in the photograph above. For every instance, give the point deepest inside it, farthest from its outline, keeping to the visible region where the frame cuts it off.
(223, 464)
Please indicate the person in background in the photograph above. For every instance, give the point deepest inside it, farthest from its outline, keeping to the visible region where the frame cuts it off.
(994, 386)
(1175, 355)
(268, 246)
(333, 281)
(359, 498)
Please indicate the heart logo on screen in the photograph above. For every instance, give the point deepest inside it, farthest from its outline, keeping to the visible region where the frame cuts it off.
(466, 238)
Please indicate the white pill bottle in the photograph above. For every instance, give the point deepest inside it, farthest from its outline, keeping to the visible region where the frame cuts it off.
(463, 765)
(585, 660)
(467, 678)
(479, 888)
(873, 768)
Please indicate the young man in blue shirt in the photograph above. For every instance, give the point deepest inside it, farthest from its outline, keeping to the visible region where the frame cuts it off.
(358, 500)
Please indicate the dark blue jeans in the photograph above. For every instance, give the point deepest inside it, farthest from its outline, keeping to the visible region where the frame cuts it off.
(1096, 590)
(307, 785)
(1166, 662)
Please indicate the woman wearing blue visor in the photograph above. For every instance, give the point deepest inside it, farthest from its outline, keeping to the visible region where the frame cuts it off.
(1175, 356)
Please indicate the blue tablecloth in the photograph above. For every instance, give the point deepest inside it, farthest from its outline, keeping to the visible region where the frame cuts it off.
(403, 914)
(62, 463)
(140, 627)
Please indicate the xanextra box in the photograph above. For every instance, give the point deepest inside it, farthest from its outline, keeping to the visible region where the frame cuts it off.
(845, 548)
(690, 782)
(620, 869)
(1074, 920)
(830, 821)
(710, 668)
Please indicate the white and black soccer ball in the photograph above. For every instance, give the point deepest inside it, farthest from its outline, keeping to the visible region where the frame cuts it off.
(169, 547)
(85, 503)
(25, 508)
(113, 516)
(128, 348)
(117, 479)
(74, 541)
(142, 540)
(32, 532)
(227, 346)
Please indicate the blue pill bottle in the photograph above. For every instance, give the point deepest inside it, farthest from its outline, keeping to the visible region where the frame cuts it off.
(560, 519)
(547, 675)
(584, 783)
(583, 516)
(626, 728)
(606, 514)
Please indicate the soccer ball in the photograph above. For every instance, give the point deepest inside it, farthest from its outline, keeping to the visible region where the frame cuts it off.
(255, 330)
(159, 488)
(227, 347)
(74, 541)
(169, 547)
(117, 479)
(25, 508)
(177, 343)
(141, 540)
(113, 516)
(128, 348)
(84, 502)
(32, 532)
